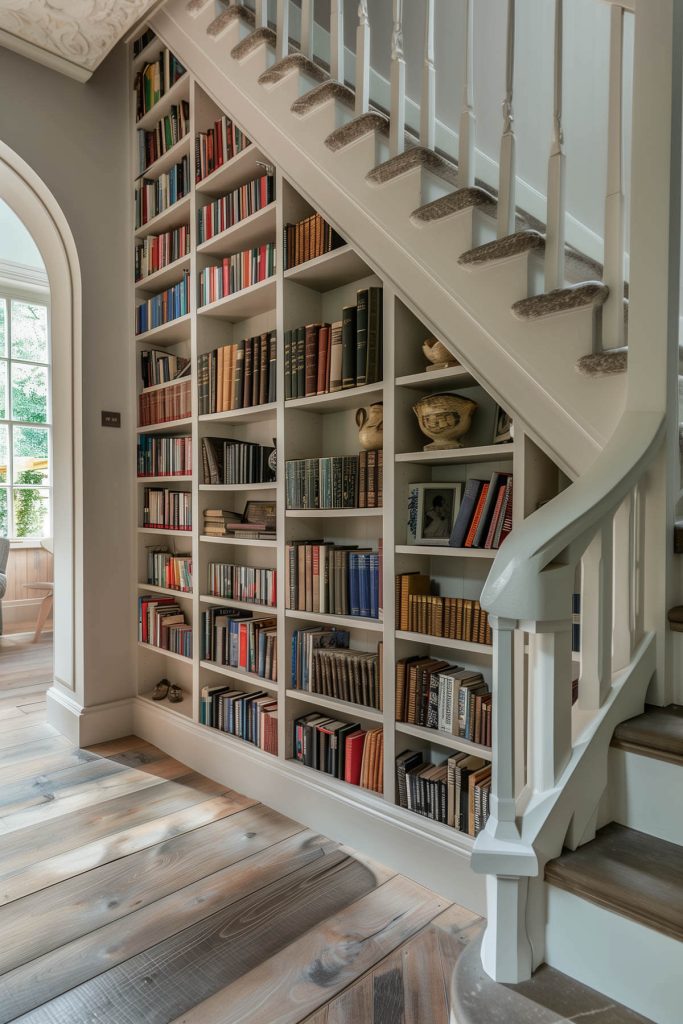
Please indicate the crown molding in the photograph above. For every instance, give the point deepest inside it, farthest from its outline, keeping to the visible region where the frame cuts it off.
(23, 276)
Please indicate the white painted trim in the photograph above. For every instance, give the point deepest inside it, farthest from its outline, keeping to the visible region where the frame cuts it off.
(44, 57)
(84, 726)
(633, 781)
(381, 832)
(20, 274)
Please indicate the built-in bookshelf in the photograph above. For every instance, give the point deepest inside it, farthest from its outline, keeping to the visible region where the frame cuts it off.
(246, 308)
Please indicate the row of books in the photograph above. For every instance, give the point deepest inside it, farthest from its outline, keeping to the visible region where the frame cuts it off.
(436, 695)
(165, 569)
(309, 238)
(162, 308)
(233, 637)
(330, 482)
(341, 749)
(323, 663)
(420, 611)
(222, 522)
(158, 251)
(164, 509)
(242, 270)
(164, 456)
(155, 80)
(242, 583)
(157, 366)
(161, 623)
(154, 195)
(239, 375)
(228, 461)
(164, 405)
(484, 518)
(217, 145)
(324, 358)
(230, 209)
(142, 41)
(455, 792)
(251, 715)
(164, 136)
(323, 578)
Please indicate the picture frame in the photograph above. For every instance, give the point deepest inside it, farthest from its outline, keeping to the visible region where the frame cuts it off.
(502, 426)
(433, 507)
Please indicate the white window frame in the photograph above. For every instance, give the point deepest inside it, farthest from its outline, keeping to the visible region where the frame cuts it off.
(14, 288)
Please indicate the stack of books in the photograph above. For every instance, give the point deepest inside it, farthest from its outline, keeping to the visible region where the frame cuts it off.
(238, 376)
(243, 583)
(154, 195)
(237, 272)
(161, 623)
(228, 461)
(455, 618)
(341, 749)
(167, 510)
(162, 308)
(159, 367)
(233, 637)
(322, 663)
(249, 715)
(164, 456)
(322, 358)
(158, 251)
(155, 80)
(164, 405)
(168, 570)
(484, 518)
(309, 238)
(215, 147)
(230, 209)
(222, 522)
(169, 131)
(455, 792)
(335, 481)
(324, 578)
(433, 694)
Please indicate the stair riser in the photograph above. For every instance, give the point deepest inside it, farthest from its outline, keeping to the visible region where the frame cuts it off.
(258, 61)
(434, 187)
(452, 235)
(359, 157)
(636, 787)
(282, 94)
(628, 962)
(228, 37)
(324, 119)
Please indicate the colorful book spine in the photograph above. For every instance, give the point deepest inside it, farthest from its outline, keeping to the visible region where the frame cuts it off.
(161, 309)
(237, 272)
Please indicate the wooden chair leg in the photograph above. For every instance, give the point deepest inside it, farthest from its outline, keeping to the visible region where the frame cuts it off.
(45, 609)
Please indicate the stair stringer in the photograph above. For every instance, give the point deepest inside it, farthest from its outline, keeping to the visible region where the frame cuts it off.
(528, 368)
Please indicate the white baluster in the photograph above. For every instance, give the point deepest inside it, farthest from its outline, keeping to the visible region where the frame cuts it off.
(624, 583)
(502, 821)
(282, 29)
(506, 190)
(595, 680)
(337, 40)
(550, 702)
(261, 13)
(554, 243)
(467, 120)
(363, 59)
(398, 83)
(428, 105)
(307, 28)
(613, 274)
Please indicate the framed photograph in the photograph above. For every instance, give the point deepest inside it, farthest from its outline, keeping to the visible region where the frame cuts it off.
(260, 512)
(436, 506)
(502, 430)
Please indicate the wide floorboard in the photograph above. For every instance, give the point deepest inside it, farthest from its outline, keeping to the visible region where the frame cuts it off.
(135, 890)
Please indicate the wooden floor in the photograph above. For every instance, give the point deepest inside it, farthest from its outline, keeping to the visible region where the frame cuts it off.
(23, 664)
(134, 891)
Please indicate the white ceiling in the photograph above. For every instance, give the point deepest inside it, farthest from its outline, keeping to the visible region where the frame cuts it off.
(71, 36)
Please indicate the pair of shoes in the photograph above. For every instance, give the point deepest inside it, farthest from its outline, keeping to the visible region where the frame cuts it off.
(165, 689)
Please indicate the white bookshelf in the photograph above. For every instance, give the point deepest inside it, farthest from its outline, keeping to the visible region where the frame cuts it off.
(306, 427)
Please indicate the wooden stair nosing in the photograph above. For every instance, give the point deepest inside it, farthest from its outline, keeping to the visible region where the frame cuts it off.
(657, 733)
(629, 873)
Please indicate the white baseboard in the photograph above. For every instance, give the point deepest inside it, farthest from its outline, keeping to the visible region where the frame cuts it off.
(336, 811)
(85, 726)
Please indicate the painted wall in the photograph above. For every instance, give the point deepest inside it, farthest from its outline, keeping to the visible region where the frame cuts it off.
(75, 137)
(16, 244)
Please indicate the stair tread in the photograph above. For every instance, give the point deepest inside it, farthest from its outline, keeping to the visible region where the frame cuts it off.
(236, 12)
(416, 156)
(291, 62)
(603, 364)
(251, 42)
(195, 7)
(356, 129)
(656, 733)
(576, 296)
(502, 248)
(454, 202)
(630, 873)
(322, 93)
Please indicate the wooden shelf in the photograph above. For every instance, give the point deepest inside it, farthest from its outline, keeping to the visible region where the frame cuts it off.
(161, 279)
(180, 90)
(238, 742)
(361, 796)
(333, 513)
(158, 428)
(482, 453)
(166, 384)
(166, 591)
(148, 54)
(165, 530)
(444, 739)
(346, 707)
(164, 479)
(350, 621)
(258, 298)
(246, 166)
(250, 415)
(437, 551)
(243, 542)
(436, 380)
(441, 641)
(173, 216)
(239, 675)
(168, 159)
(183, 708)
(331, 270)
(238, 487)
(247, 233)
(336, 401)
(168, 334)
(164, 654)
(229, 602)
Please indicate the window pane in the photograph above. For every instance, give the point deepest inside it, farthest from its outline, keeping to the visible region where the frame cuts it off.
(4, 455)
(29, 331)
(31, 512)
(3, 328)
(4, 411)
(4, 523)
(29, 393)
(31, 450)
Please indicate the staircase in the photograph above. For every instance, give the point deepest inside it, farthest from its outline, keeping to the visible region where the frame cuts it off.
(544, 329)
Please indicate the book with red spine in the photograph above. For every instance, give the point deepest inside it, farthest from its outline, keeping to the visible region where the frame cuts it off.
(469, 540)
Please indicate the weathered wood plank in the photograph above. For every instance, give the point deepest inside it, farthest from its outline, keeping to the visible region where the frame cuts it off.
(64, 757)
(28, 733)
(81, 905)
(388, 1006)
(424, 984)
(110, 747)
(36, 747)
(48, 787)
(69, 966)
(325, 960)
